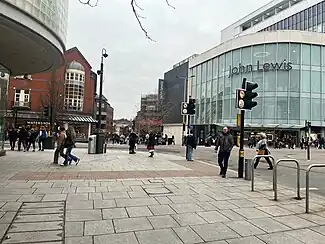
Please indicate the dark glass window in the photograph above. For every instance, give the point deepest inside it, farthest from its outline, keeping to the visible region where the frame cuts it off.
(319, 19)
(310, 12)
(294, 20)
(319, 8)
(279, 26)
(290, 21)
(310, 23)
(314, 10)
(275, 27)
(302, 15)
(298, 26)
(298, 17)
(306, 14)
(285, 24)
(294, 27)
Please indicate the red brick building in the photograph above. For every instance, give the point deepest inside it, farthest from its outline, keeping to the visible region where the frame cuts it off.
(67, 94)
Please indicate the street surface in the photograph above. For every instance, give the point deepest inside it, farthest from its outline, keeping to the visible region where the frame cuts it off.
(118, 198)
(286, 171)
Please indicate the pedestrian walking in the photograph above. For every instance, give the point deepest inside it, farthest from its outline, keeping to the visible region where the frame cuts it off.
(22, 136)
(262, 149)
(132, 142)
(190, 145)
(41, 138)
(69, 144)
(151, 144)
(60, 146)
(224, 143)
(13, 135)
(32, 139)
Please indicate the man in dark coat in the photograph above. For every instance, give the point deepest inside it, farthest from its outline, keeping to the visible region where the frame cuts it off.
(22, 136)
(132, 141)
(33, 134)
(225, 144)
(151, 144)
(13, 134)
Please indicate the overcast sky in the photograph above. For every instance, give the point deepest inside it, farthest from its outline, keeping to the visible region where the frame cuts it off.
(135, 64)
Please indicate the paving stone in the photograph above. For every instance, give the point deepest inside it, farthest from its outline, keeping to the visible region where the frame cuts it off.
(43, 205)
(294, 222)
(38, 226)
(122, 238)
(207, 206)
(163, 200)
(11, 206)
(279, 238)
(35, 236)
(69, 189)
(74, 229)
(80, 204)
(131, 224)
(214, 232)
(79, 240)
(104, 204)
(213, 216)
(232, 215)
(163, 221)
(138, 211)
(275, 211)
(188, 219)
(293, 208)
(186, 208)
(7, 217)
(243, 203)
(319, 229)
(19, 185)
(54, 197)
(251, 213)
(83, 215)
(161, 209)
(182, 199)
(95, 196)
(244, 228)
(63, 184)
(114, 213)
(38, 218)
(28, 211)
(246, 240)
(187, 235)
(133, 202)
(42, 185)
(6, 197)
(101, 189)
(77, 197)
(85, 189)
(98, 227)
(115, 195)
(3, 229)
(56, 190)
(313, 218)
(307, 236)
(31, 198)
(269, 225)
(216, 242)
(166, 236)
(137, 194)
(223, 205)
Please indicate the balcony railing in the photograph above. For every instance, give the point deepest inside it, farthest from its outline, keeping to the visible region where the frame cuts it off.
(22, 104)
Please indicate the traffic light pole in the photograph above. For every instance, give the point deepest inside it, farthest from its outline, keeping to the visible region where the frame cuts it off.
(308, 140)
(241, 156)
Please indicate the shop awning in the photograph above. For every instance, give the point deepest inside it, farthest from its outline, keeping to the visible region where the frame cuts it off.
(80, 119)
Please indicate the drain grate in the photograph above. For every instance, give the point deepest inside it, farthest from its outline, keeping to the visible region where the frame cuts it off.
(37, 222)
(158, 191)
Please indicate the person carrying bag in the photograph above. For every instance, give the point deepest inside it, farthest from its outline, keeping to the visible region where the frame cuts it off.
(262, 149)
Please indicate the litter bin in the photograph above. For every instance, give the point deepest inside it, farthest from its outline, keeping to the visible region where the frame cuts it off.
(105, 147)
(92, 144)
(248, 169)
(100, 141)
(48, 143)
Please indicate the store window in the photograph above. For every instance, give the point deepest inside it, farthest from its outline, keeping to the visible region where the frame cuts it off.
(283, 52)
(246, 55)
(258, 54)
(283, 81)
(305, 54)
(270, 53)
(294, 108)
(316, 109)
(209, 71)
(304, 108)
(294, 81)
(305, 81)
(316, 82)
(282, 108)
(315, 55)
(295, 53)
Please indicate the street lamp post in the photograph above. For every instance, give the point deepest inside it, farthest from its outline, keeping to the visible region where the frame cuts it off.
(101, 74)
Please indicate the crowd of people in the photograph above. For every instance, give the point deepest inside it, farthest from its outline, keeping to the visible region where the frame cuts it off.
(25, 138)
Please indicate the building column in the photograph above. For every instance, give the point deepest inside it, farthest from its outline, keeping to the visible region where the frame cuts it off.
(322, 132)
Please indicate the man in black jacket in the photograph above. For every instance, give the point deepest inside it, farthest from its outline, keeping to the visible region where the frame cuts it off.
(225, 143)
(22, 136)
(190, 145)
(132, 141)
(13, 134)
(32, 139)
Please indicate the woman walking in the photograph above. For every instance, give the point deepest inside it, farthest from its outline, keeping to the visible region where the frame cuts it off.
(262, 149)
(151, 144)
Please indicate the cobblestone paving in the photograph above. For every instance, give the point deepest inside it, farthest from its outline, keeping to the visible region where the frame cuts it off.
(162, 210)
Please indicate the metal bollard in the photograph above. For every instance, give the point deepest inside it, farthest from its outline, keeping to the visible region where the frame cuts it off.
(253, 161)
(307, 182)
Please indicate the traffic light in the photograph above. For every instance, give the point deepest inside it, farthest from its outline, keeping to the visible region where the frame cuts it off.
(191, 106)
(46, 111)
(244, 97)
(184, 110)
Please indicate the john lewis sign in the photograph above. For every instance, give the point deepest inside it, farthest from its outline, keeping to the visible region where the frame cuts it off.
(259, 67)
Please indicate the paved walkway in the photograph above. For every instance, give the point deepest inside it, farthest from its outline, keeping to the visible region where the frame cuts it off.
(131, 199)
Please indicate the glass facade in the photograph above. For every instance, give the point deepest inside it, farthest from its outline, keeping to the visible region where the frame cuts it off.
(291, 80)
(4, 80)
(53, 14)
(310, 19)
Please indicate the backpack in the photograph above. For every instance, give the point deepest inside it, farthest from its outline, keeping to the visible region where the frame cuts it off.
(71, 137)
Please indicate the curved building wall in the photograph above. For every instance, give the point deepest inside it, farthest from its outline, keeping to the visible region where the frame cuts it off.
(290, 75)
(53, 14)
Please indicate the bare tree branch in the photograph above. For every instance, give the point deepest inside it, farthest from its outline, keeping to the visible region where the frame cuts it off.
(134, 6)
